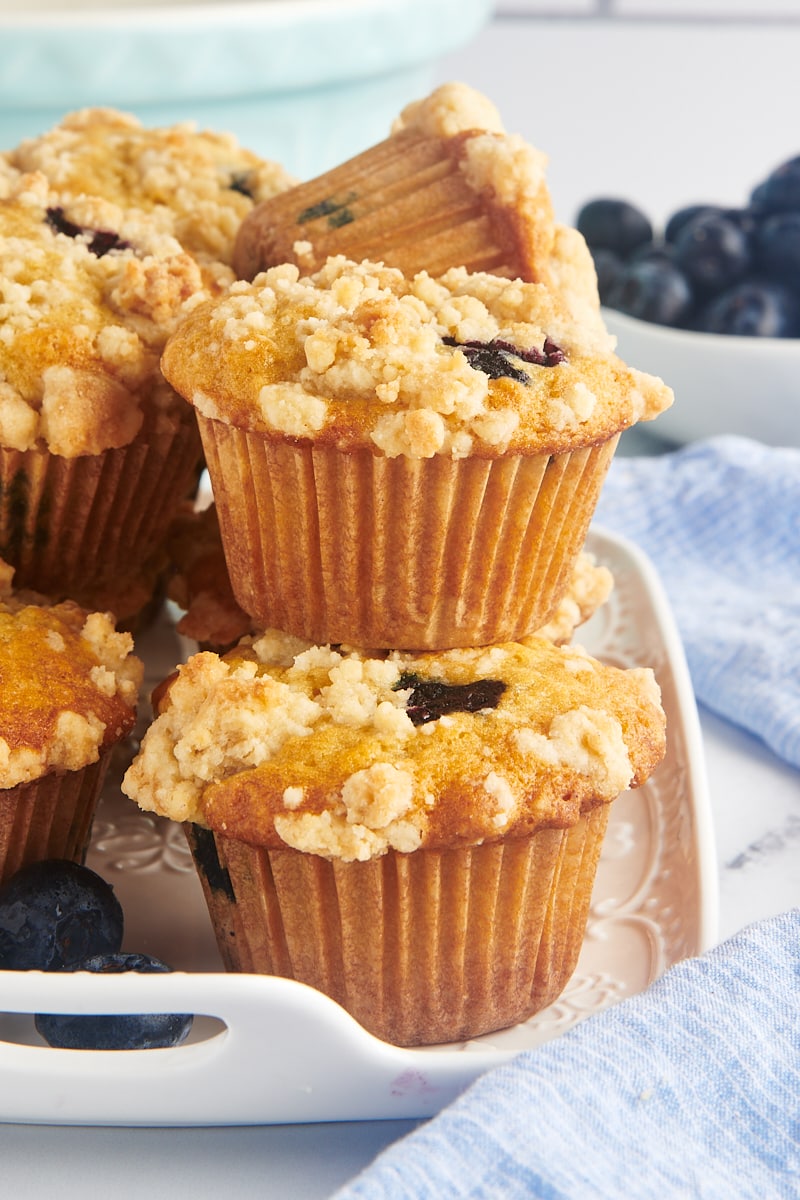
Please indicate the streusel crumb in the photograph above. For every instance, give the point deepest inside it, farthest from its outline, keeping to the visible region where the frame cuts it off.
(346, 755)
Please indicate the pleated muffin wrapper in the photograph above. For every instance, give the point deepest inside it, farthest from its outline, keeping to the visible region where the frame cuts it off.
(90, 528)
(423, 948)
(353, 547)
(405, 202)
(50, 817)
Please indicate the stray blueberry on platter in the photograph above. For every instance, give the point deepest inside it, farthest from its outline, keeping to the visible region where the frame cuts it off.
(55, 913)
(115, 1031)
(717, 269)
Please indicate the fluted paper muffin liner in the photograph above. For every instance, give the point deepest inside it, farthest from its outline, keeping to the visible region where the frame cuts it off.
(49, 817)
(429, 947)
(405, 202)
(89, 528)
(338, 546)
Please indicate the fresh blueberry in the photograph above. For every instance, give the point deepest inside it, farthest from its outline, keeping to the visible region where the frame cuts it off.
(609, 266)
(616, 225)
(780, 191)
(712, 251)
(752, 309)
(55, 913)
(113, 1031)
(652, 291)
(682, 216)
(655, 251)
(777, 245)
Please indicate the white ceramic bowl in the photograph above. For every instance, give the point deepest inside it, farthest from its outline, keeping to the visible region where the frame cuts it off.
(744, 385)
(308, 83)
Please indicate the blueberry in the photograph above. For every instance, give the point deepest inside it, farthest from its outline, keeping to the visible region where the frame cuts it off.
(494, 358)
(655, 251)
(614, 225)
(55, 913)
(652, 291)
(780, 191)
(99, 241)
(682, 216)
(113, 1031)
(777, 245)
(431, 699)
(609, 266)
(712, 251)
(752, 309)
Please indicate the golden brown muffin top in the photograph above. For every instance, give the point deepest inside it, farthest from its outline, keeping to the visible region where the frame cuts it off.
(357, 355)
(196, 185)
(346, 754)
(88, 296)
(69, 685)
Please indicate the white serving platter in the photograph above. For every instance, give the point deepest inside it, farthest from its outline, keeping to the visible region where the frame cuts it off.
(266, 1050)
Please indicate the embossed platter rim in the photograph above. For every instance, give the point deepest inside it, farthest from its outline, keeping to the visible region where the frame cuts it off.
(285, 1053)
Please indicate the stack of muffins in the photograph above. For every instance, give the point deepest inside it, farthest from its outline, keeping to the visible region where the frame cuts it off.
(394, 787)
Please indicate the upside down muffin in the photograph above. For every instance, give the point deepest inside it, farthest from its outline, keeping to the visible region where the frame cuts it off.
(415, 835)
(402, 462)
(96, 449)
(69, 685)
(448, 188)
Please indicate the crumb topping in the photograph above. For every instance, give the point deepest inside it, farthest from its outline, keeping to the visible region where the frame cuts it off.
(194, 185)
(589, 587)
(69, 683)
(357, 355)
(285, 743)
(450, 109)
(82, 329)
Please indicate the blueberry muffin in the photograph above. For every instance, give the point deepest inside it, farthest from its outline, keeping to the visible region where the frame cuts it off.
(96, 449)
(69, 684)
(415, 835)
(448, 188)
(402, 462)
(194, 185)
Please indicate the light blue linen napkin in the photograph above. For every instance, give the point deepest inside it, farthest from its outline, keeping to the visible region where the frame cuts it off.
(720, 520)
(690, 1089)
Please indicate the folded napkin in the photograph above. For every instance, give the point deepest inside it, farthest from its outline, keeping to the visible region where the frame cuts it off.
(720, 520)
(690, 1089)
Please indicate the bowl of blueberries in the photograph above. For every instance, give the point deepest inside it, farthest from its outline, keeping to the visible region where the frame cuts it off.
(711, 303)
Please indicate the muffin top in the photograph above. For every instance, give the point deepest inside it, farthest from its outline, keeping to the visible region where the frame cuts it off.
(357, 355)
(196, 185)
(346, 755)
(69, 684)
(88, 296)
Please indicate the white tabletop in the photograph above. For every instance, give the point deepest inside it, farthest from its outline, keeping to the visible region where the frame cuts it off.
(754, 796)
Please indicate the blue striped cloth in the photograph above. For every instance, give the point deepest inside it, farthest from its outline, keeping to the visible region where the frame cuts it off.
(690, 1089)
(720, 520)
